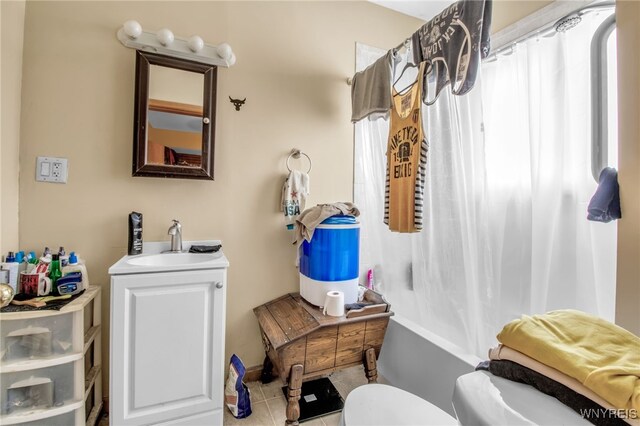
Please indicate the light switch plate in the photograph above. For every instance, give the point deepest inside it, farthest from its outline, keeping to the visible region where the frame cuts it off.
(51, 169)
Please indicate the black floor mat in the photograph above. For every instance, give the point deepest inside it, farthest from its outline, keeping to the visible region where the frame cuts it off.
(319, 398)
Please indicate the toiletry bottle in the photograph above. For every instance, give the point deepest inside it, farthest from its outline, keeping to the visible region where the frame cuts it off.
(43, 263)
(12, 266)
(54, 274)
(32, 262)
(46, 252)
(75, 265)
(22, 262)
(29, 261)
(135, 233)
(64, 259)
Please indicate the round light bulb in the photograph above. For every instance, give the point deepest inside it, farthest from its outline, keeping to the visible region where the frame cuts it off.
(165, 36)
(132, 29)
(224, 51)
(195, 43)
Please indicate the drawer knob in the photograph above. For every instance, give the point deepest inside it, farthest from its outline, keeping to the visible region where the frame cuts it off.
(219, 285)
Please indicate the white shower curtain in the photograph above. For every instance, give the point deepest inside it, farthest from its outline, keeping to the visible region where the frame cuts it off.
(508, 183)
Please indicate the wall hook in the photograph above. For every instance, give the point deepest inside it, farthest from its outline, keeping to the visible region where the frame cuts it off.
(237, 102)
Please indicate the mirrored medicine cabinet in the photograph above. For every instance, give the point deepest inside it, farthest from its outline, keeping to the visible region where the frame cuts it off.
(174, 117)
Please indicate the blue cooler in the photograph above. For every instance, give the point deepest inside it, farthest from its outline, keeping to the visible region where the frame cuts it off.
(330, 262)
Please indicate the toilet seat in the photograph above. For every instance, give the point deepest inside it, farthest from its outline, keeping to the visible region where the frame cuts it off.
(383, 405)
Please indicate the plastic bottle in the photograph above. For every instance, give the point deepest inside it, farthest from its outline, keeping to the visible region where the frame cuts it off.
(64, 259)
(54, 274)
(377, 279)
(135, 233)
(22, 262)
(75, 265)
(12, 266)
(32, 262)
(43, 263)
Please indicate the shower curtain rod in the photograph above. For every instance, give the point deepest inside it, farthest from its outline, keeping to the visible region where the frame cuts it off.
(403, 44)
(542, 30)
(565, 23)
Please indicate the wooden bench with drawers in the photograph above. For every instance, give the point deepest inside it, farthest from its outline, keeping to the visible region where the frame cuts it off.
(303, 344)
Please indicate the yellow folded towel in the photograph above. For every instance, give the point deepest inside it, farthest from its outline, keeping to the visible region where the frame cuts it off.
(602, 356)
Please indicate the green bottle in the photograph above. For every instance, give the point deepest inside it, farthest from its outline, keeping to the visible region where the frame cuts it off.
(55, 273)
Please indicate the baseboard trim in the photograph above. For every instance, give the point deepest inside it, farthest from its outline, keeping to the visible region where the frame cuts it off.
(252, 374)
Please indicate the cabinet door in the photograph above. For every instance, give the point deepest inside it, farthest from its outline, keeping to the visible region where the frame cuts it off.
(167, 345)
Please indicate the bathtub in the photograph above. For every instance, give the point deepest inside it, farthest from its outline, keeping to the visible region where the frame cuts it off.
(420, 362)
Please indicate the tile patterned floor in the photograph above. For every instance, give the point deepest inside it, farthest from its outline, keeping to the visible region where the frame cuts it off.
(268, 404)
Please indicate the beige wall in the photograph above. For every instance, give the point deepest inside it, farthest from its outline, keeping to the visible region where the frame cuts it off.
(507, 12)
(628, 283)
(12, 29)
(293, 61)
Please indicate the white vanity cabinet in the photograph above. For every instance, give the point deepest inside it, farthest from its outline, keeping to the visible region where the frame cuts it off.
(50, 364)
(167, 342)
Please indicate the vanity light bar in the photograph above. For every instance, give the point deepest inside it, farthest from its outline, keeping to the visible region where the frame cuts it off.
(163, 42)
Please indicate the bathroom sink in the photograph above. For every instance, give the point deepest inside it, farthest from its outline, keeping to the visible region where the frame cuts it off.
(157, 258)
(171, 259)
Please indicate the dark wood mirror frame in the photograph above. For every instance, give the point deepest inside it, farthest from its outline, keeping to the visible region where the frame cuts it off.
(140, 167)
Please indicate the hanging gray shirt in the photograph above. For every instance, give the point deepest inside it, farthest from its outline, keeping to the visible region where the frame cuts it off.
(453, 43)
(371, 90)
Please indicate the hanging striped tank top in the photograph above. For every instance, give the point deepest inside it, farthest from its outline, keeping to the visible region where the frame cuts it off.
(406, 161)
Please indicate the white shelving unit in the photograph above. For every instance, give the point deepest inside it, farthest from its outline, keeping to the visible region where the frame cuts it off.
(51, 364)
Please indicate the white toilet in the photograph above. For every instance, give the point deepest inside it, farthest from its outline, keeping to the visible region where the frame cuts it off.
(479, 398)
(383, 405)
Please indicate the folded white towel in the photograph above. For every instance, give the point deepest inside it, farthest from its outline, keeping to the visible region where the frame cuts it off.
(294, 196)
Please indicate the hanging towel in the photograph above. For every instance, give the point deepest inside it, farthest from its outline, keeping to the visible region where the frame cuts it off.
(312, 217)
(605, 203)
(371, 90)
(453, 44)
(294, 196)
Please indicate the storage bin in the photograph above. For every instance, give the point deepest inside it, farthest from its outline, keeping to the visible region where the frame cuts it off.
(42, 364)
(73, 417)
(330, 262)
(40, 389)
(34, 338)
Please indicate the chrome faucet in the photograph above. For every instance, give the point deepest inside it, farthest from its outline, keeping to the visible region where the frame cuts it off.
(175, 230)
